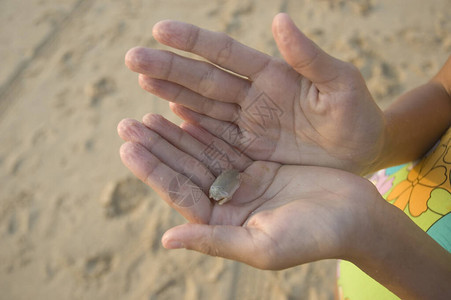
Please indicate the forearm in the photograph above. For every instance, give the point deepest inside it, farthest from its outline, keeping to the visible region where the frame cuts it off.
(403, 258)
(417, 120)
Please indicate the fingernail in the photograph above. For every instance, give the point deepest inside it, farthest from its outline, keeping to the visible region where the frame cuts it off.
(173, 244)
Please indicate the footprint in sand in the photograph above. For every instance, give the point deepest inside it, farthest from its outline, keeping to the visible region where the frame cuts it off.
(122, 197)
(97, 266)
(100, 88)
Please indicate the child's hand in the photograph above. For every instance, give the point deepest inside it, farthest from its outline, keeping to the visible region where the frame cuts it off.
(310, 109)
(304, 215)
(281, 216)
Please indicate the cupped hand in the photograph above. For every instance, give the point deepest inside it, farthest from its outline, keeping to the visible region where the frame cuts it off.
(309, 108)
(281, 215)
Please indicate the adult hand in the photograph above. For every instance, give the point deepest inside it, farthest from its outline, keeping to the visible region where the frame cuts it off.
(281, 215)
(309, 108)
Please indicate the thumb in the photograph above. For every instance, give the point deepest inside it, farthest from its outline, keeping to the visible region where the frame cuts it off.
(232, 242)
(302, 54)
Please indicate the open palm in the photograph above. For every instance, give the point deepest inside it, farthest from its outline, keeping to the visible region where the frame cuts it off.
(309, 109)
(280, 216)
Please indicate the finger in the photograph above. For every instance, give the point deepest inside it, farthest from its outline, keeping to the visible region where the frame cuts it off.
(178, 160)
(248, 245)
(214, 46)
(198, 76)
(214, 153)
(219, 153)
(302, 54)
(235, 134)
(177, 190)
(186, 97)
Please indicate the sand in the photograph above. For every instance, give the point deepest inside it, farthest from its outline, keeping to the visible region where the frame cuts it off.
(74, 222)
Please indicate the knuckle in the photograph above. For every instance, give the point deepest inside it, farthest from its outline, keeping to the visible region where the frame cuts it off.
(225, 53)
(188, 164)
(158, 64)
(215, 241)
(209, 250)
(178, 96)
(168, 67)
(207, 106)
(234, 114)
(153, 141)
(206, 82)
(192, 38)
(308, 62)
(209, 245)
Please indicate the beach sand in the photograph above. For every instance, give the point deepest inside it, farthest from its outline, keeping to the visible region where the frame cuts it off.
(74, 222)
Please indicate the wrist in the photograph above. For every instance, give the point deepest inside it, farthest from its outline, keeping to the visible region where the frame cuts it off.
(394, 251)
(386, 150)
(367, 226)
(413, 124)
(382, 150)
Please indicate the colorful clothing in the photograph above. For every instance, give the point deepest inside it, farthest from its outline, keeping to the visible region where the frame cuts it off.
(421, 189)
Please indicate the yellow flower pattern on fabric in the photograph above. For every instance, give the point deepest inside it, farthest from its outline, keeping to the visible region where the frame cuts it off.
(429, 174)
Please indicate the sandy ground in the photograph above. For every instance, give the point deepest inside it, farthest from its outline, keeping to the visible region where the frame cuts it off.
(74, 223)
